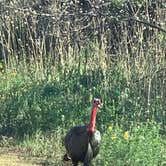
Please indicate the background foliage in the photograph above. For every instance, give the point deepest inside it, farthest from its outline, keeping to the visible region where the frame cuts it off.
(55, 56)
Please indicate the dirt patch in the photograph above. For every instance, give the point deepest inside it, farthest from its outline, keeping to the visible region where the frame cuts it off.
(15, 157)
(11, 160)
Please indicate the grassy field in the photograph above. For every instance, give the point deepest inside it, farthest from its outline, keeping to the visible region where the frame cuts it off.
(50, 74)
(37, 110)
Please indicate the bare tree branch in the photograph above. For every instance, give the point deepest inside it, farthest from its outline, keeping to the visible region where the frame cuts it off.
(146, 23)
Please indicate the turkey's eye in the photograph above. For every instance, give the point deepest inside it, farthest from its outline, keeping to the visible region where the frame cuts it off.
(97, 101)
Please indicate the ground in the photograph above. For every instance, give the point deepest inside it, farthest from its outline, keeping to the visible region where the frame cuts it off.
(14, 157)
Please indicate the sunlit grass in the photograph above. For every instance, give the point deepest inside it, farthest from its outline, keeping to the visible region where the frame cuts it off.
(14, 160)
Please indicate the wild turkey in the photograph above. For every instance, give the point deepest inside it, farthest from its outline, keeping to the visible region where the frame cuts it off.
(82, 143)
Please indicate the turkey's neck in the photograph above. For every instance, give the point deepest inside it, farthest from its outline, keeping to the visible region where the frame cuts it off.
(92, 124)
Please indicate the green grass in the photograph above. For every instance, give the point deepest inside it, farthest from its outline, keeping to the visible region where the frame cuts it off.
(144, 146)
(141, 145)
(37, 111)
(50, 73)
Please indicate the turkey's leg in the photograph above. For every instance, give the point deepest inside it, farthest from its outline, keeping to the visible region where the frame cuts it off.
(87, 163)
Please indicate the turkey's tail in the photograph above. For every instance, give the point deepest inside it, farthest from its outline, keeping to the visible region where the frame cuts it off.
(66, 157)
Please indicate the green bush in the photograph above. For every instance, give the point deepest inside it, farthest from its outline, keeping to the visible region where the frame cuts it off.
(141, 145)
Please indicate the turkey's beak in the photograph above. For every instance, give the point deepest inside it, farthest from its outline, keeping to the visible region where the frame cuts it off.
(100, 105)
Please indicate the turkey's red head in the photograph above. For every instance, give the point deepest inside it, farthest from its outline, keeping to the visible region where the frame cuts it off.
(97, 102)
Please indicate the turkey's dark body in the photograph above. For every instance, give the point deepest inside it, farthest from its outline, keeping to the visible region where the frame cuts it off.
(81, 145)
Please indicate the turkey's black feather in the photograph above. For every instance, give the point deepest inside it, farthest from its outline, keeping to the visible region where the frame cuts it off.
(81, 145)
